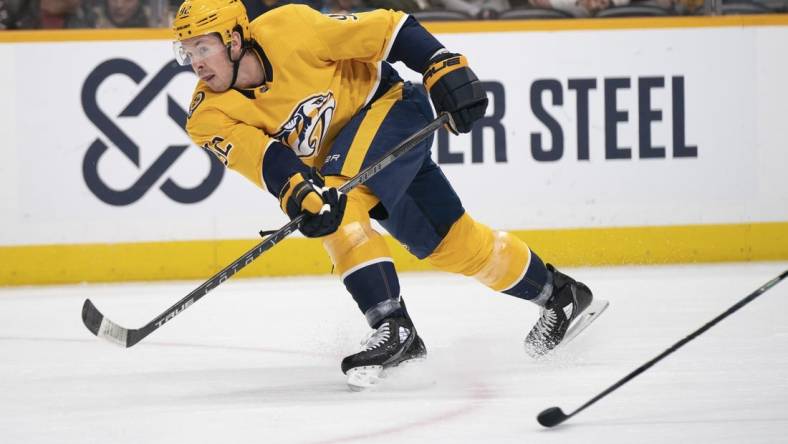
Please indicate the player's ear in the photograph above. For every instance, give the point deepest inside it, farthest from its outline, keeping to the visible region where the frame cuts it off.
(235, 45)
(237, 41)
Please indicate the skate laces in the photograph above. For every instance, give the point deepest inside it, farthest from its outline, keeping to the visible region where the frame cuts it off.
(375, 338)
(547, 322)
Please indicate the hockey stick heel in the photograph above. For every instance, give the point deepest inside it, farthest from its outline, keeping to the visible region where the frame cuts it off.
(103, 327)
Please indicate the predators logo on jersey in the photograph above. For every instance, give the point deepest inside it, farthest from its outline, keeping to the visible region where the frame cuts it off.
(196, 101)
(307, 125)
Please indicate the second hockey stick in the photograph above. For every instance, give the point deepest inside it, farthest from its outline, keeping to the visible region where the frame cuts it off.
(554, 415)
(104, 328)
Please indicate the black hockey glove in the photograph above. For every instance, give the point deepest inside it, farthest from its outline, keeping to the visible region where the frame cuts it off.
(323, 207)
(455, 89)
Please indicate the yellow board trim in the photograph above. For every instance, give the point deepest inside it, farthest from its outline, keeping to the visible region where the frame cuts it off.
(461, 27)
(198, 260)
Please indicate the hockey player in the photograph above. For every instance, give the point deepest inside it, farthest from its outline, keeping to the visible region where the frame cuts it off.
(298, 102)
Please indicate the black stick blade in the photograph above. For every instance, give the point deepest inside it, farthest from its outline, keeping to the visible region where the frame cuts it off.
(103, 327)
(91, 317)
(551, 417)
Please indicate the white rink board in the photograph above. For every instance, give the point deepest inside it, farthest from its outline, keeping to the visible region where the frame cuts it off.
(734, 102)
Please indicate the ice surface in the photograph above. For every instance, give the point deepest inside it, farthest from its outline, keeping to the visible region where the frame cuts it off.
(258, 361)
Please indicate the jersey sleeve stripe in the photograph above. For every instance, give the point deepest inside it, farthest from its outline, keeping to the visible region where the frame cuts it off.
(375, 85)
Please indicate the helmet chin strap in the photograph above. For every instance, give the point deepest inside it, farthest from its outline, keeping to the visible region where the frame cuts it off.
(236, 63)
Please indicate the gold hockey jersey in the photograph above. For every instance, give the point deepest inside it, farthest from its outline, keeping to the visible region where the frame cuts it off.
(320, 71)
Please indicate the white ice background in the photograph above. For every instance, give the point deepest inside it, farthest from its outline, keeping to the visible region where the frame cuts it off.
(258, 361)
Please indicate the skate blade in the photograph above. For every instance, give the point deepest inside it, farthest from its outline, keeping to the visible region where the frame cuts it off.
(589, 315)
(367, 378)
(364, 378)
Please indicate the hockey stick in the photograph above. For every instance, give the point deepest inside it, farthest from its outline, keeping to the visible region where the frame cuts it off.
(102, 327)
(554, 415)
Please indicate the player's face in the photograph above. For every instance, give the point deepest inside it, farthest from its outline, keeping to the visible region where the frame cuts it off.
(208, 57)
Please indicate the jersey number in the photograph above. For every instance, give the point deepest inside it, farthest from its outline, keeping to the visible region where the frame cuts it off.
(343, 17)
(220, 152)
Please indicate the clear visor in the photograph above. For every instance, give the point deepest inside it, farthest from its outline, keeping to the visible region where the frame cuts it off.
(187, 53)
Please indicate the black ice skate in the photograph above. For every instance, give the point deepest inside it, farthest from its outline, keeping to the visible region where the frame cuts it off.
(570, 309)
(393, 343)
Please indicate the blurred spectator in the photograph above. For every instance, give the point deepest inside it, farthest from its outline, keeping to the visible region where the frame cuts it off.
(351, 6)
(681, 6)
(5, 15)
(52, 14)
(579, 8)
(689, 6)
(255, 8)
(345, 6)
(122, 14)
(409, 6)
(482, 9)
